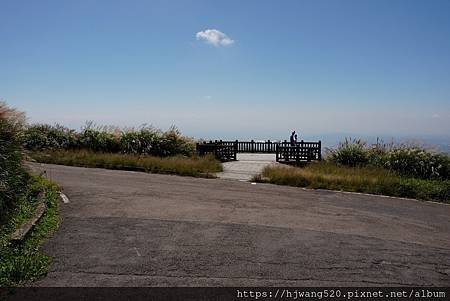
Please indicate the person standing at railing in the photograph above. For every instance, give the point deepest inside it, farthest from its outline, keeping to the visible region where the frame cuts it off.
(293, 138)
(292, 141)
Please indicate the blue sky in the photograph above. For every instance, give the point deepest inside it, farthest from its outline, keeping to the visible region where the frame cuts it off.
(365, 67)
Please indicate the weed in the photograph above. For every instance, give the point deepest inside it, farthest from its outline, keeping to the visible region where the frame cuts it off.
(185, 166)
(374, 180)
(23, 261)
(144, 141)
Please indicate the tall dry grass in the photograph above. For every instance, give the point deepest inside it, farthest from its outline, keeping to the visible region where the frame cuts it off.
(410, 160)
(373, 180)
(145, 140)
(13, 177)
(185, 166)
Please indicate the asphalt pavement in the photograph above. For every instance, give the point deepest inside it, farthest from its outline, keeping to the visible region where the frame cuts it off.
(135, 229)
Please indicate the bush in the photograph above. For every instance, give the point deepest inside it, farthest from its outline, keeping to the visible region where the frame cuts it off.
(153, 142)
(23, 261)
(43, 136)
(12, 175)
(144, 141)
(147, 140)
(409, 161)
(327, 175)
(418, 163)
(350, 152)
(424, 189)
(99, 141)
(172, 143)
(135, 143)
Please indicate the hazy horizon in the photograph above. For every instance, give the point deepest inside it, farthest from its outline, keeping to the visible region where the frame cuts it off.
(329, 139)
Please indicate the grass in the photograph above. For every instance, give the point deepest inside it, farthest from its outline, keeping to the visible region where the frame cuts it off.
(327, 175)
(109, 139)
(204, 167)
(22, 262)
(406, 159)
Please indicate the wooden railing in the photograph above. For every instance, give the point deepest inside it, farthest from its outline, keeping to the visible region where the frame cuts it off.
(221, 152)
(302, 152)
(254, 146)
(285, 152)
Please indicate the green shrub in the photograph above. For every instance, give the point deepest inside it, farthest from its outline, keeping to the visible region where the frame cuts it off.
(150, 141)
(327, 175)
(350, 152)
(424, 189)
(377, 153)
(99, 141)
(43, 136)
(145, 141)
(172, 143)
(418, 163)
(409, 161)
(23, 261)
(12, 175)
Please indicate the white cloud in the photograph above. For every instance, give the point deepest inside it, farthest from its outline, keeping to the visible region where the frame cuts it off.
(208, 97)
(214, 37)
(436, 116)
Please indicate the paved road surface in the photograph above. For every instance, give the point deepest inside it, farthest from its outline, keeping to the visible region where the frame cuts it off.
(247, 166)
(137, 229)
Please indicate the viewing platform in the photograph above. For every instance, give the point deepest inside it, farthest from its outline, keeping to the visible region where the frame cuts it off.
(302, 151)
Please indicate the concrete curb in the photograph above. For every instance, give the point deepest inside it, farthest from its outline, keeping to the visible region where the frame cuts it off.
(22, 231)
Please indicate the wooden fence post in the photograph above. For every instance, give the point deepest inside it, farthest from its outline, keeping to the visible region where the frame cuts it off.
(253, 146)
(276, 153)
(303, 149)
(320, 150)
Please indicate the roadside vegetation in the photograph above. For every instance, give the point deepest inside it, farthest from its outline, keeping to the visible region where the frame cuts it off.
(108, 139)
(145, 149)
(21, 261)
(395, 170)
(204, 167)
(13, 176)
